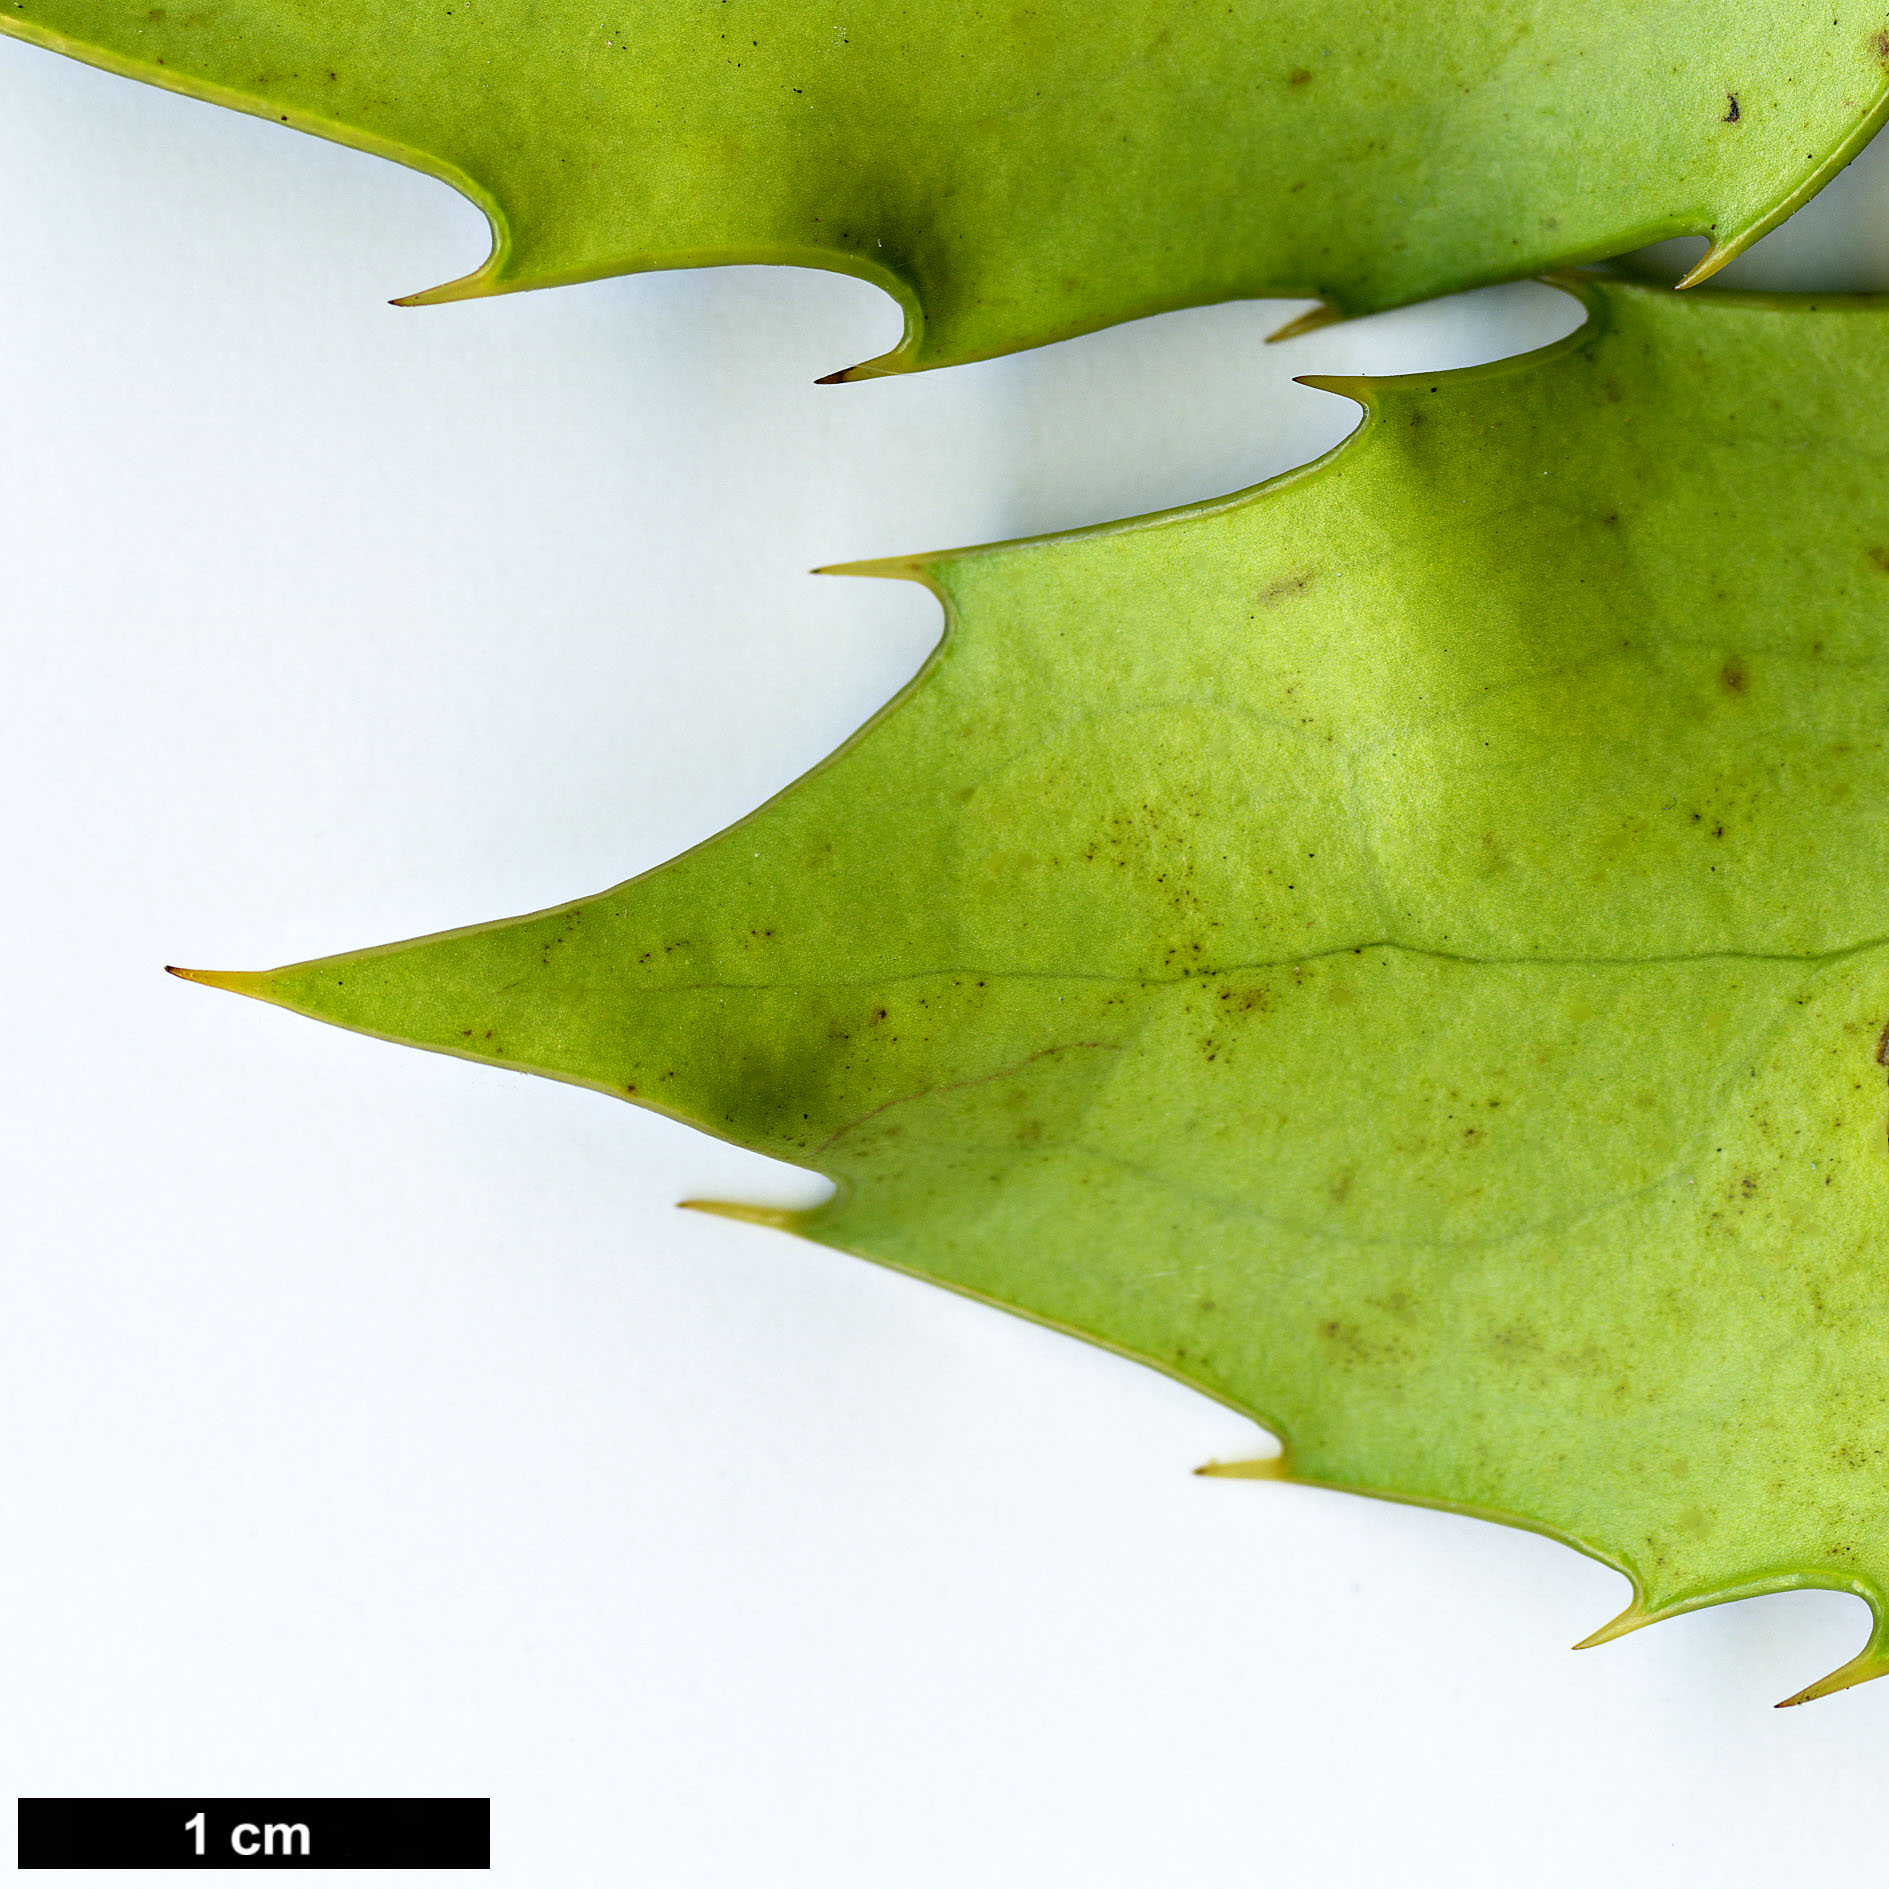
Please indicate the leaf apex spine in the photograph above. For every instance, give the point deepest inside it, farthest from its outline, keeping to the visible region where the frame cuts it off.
(785, 1219)
(912, 569)
(1870, 1663)
(1322, 314)
(243, 983)
(1709, 264)
(465, 288)
(1347, 386)
(1633, 1615)
(1252, 1469)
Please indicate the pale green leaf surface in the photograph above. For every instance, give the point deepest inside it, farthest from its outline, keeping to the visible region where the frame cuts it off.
(1013, 174)
(1400, 949)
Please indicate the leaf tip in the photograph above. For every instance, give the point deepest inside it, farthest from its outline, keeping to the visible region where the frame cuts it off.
(243, 983)
(1871, 1663)
(1347, 386)
(1710, 264)
(785, 1219)
(1634, 1615)
(880, 367)
(482, 281)
(1322, 314)
(914, 570)
(1251, 1469)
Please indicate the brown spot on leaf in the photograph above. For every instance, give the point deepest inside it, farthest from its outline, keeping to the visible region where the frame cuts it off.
(1299, 75)
(1734, 678)
(1731, 110)
(1245, 1001)
(1882, 1057)
(1286, 587)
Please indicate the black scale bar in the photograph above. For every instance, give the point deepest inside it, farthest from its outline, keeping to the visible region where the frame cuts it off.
(255, 1833)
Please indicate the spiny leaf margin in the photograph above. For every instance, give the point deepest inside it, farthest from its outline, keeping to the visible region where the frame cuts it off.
(1518, 1148)
(1011, 178)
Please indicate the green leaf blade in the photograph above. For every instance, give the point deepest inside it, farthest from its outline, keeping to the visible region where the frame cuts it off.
(1013, 178)
(1402, 950)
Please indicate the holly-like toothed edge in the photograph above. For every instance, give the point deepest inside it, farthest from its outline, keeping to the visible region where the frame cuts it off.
(491, 277)
(1593, 291)
(1871, 1663)
(482, 281)
(1728, 248)
(494, 277)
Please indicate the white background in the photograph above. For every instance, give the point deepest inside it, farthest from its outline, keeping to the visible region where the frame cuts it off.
(372, 1423)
